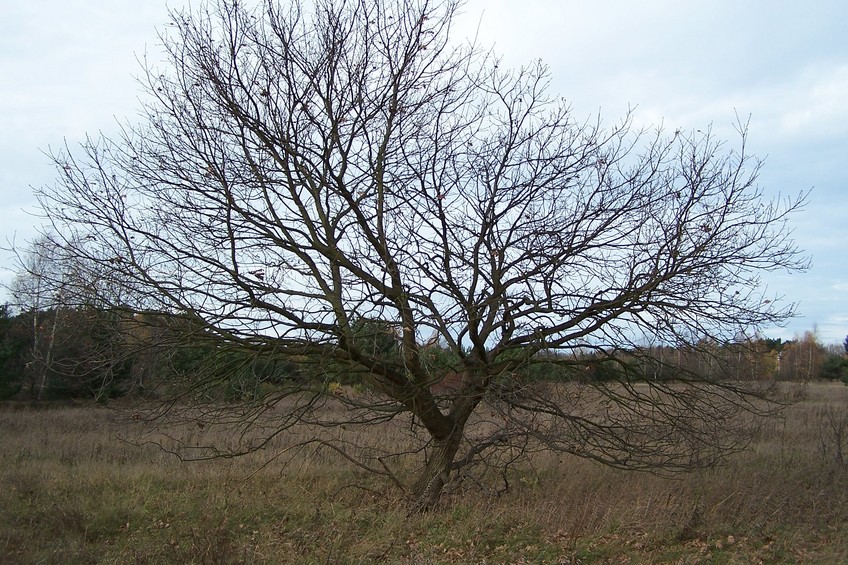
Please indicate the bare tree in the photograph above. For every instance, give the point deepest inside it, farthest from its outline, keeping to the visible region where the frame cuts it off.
(298, 170)
(73, 334)
(40, 288)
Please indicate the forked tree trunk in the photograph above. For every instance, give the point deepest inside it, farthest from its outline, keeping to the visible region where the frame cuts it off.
(433, 478)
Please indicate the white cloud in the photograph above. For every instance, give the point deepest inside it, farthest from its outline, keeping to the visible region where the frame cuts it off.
(817, 104)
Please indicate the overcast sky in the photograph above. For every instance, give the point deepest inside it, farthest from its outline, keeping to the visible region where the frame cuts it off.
(67, 68)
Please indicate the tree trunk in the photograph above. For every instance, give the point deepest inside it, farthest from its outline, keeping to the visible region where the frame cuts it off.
(45, 362)
(433, 478)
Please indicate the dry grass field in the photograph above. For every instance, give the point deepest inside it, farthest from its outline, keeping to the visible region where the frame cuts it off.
(73, 490)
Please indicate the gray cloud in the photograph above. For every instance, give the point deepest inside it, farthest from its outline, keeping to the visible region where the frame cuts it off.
(68, 66)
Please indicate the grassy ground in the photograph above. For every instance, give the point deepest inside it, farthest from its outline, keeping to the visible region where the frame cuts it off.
(71, 491)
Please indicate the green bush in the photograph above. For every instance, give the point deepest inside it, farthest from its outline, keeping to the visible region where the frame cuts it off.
(835, 367)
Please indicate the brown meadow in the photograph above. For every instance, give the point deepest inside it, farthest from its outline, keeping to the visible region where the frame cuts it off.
(79, 485)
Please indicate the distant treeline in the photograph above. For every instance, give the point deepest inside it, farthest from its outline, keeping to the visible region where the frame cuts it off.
(70, 353)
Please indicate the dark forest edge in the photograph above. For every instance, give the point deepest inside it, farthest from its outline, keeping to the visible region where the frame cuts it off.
(92, 353)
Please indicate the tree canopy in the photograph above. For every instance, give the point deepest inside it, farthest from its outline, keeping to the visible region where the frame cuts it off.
(344, 179)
